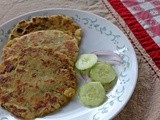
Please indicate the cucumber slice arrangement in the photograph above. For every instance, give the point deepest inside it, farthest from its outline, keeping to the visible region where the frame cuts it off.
(102, 78)
(86, 61)
(102, 72)
(92, 94)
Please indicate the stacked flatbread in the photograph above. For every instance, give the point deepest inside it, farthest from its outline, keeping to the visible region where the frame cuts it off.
(36, 73)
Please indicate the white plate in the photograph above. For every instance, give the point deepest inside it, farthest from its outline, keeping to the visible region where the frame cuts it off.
(99, 34)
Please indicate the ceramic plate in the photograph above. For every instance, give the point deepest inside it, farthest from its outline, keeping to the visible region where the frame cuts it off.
(99, 34)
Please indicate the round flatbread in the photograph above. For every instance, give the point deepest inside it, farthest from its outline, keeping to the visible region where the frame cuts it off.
(54, 22)
(52, 38)
(36, 82)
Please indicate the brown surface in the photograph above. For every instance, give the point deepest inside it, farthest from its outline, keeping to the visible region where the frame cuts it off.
(144, 104)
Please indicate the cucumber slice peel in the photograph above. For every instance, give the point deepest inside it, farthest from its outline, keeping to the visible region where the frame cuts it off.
(86, 61)
(92, 94)
(102, 72)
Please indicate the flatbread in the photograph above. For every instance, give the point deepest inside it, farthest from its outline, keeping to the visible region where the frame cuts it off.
(36, 82)
(54, 22)
(51, 38)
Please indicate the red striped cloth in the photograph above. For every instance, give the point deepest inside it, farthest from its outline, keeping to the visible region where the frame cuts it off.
(143, 19)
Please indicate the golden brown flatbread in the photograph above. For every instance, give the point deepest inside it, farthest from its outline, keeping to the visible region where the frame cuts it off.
(54, 22)
(51, 38)
(36, 82)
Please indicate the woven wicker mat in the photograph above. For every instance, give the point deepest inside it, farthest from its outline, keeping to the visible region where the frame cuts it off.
(144, 103)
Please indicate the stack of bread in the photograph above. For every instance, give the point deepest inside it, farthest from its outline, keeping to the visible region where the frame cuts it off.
(37, 74)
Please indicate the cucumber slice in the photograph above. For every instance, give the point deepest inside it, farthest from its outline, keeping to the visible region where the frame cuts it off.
(86, 61)
(109, 86)
(92, 94)
(102, 72)
(85, 71)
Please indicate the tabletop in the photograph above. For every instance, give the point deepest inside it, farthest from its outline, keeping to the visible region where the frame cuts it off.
(139, 20)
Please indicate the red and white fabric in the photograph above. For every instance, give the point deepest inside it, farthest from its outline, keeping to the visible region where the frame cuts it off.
(143, 19)
(147, 12)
